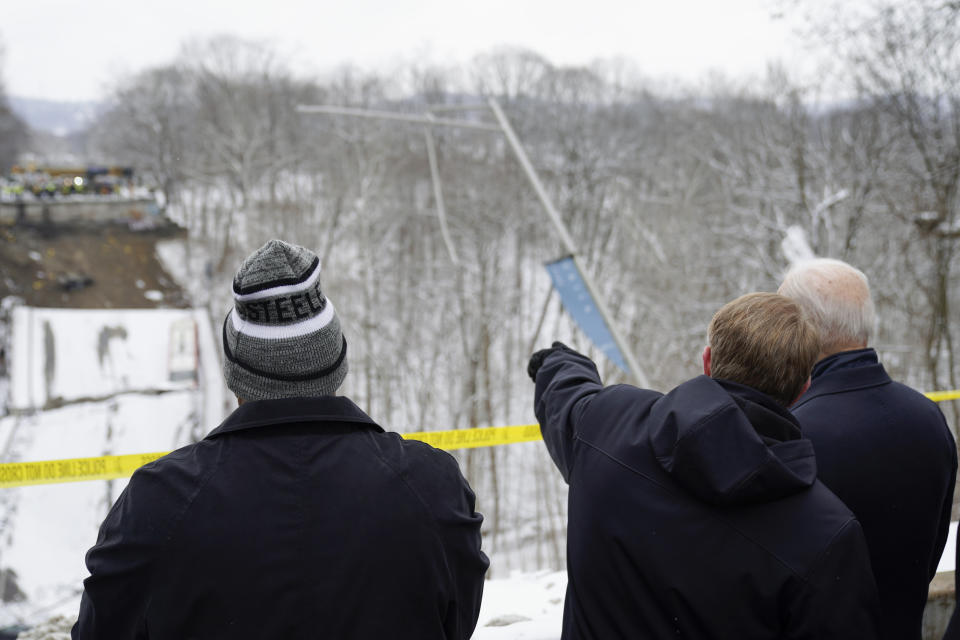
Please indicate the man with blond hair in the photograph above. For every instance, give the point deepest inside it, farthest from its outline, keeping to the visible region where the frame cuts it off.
(882, 447)
(697, 514)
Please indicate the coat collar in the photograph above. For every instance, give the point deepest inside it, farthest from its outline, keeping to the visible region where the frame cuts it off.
(322, 409)
(845, 371)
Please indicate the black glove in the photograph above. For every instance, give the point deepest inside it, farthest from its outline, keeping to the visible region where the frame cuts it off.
(536, 360)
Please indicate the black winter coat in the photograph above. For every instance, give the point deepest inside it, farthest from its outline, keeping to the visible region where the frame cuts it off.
(295, 518)
(697, 514)
(887, 452)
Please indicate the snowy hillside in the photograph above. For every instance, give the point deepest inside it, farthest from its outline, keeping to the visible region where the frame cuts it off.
(47, 528)
(90, 383)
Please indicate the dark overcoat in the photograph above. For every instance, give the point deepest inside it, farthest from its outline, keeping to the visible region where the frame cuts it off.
(295, 518)
(887, 452)
(697, 514)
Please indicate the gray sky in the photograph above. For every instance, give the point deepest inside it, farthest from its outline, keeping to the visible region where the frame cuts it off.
(66, 50)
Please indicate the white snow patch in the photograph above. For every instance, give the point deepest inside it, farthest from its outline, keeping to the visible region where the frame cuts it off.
(948, 561)
(154, 295)
(525, 606)
(68, 354)
(192, 267)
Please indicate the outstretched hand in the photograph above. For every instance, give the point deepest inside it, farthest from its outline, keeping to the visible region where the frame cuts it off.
(536, 360)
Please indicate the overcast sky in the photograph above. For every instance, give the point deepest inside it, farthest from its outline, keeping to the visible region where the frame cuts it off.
(68, 50)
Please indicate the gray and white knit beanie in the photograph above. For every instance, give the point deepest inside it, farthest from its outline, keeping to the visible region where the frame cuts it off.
(282, 338)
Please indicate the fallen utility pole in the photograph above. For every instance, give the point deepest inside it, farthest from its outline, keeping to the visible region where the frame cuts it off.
(507, 130)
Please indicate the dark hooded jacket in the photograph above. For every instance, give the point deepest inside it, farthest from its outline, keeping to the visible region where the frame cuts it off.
(295, 518)
(697, 514)
(887, 452)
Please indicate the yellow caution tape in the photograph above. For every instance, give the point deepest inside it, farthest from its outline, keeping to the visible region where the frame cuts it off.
(940, 396)
(479, 437)
(19, 474)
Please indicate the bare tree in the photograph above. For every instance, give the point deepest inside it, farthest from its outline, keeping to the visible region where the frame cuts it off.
(905, 60)
(149, 124)
(14, 133)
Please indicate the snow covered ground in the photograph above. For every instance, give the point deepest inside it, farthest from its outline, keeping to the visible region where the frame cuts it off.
(948, 561)
(524, 606)
(91, 383)
(60, 356)
(47, 528)
(521, 607)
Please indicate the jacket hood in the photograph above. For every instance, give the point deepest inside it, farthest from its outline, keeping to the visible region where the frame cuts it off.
(729, 444)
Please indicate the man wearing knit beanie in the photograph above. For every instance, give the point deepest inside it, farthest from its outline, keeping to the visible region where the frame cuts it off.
(299, 516)
(282, 339)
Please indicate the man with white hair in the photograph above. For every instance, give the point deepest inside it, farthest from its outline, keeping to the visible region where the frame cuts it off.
(882, 447)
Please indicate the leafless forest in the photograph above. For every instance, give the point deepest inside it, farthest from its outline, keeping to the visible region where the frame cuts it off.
(679, 200)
